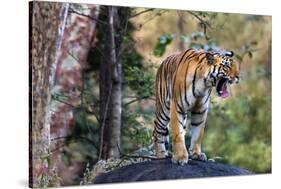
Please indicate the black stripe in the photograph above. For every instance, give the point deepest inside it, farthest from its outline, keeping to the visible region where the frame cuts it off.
(163, 71)
(160, 83)
(186, 101)
(185, 90)
(161, 116)
(200, 112)
(166, 106)
(225, 69)
(175, 77)
(228, 66)
(193, 82)
(214, 69)
(161, 108)
(185, 54)
(208, 97)
(197, 124)
(201, 59)
(219, 69)
(169, 59)
(181, 99)
(159, 123)
(189, 55)
(180, 122)
(200, 55)
(167, 89)
(181, 110)
(165, 118)
(165, 133)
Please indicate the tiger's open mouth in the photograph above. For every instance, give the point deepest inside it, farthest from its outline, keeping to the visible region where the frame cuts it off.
(221, 88)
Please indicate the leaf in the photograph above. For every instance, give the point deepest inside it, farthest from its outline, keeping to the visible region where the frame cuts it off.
(196, 46)
(161, 44)
(197, 35)
(238, 57)
(185, 38)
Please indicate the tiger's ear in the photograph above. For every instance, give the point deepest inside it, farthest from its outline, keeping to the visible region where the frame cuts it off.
(229, 53)
(210, 58)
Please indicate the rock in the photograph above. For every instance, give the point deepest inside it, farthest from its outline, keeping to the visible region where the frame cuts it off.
(166, 170)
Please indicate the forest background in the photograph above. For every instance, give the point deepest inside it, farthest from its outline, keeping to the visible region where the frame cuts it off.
(129, 51)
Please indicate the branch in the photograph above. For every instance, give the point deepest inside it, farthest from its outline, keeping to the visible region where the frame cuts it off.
(64, 102)
(151, 18)
(205, 24)
(75, 138)
(141, 12)
(72, 55)
(138, 99)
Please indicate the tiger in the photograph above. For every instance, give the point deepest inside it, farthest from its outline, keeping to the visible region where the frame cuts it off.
(184, 82)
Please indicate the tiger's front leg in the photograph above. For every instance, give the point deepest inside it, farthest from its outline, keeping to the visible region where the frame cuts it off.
(161, 132)
(180, 154)
(198, 120)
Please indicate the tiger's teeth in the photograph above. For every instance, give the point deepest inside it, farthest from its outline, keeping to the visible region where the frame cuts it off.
(220, 91)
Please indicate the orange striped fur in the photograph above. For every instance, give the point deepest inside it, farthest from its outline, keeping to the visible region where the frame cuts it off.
(183, 86)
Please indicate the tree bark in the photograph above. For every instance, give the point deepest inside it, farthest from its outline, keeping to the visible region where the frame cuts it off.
(116, 96)
(110, 87)
(181, 29)
(46, 24)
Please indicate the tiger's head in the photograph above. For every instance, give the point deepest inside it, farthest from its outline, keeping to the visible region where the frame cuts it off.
(223, 70)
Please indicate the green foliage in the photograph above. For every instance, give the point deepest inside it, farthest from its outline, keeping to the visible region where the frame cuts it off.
(196, 40)
(239, 130)
(139, 84)
(135, 131)
(140, 81)
(161, 44)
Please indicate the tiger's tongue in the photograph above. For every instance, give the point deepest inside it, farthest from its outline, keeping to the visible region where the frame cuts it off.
(223, 93)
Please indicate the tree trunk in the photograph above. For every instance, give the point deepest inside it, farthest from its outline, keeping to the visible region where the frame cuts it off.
(110, 88)
(181, 29)
(46, 24)
(116, 96)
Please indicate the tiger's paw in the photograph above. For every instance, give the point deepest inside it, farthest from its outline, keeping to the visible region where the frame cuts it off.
(200, 157)
(180, 159)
